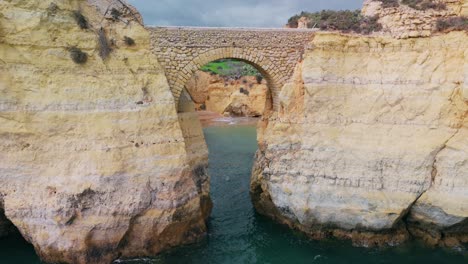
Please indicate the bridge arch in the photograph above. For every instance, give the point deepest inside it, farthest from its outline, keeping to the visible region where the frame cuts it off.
(266, 67)
(274, 52)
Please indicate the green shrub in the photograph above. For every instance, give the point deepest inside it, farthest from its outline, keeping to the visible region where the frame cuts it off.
(116, 14)
(293, 21)
(78, 56)
(259, 78)
(425, 4)
(129, 41)
(369, 25)
(244, 91)
(346, 21)
(80, 20)
(452, 24)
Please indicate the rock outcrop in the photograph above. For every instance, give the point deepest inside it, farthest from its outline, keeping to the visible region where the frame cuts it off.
(370, 141)
(402, 21)
(94, 164)
(222, 95)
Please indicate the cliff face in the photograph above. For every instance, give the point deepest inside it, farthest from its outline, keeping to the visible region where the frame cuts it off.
(371, 137)
(243, 97)
(93, 161)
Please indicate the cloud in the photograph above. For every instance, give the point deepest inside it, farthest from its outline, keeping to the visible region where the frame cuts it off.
(232, 13)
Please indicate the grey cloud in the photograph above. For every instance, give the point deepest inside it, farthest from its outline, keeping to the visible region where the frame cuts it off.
(236, 13)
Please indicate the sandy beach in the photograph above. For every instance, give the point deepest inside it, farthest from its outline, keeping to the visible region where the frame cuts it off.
(208, 119)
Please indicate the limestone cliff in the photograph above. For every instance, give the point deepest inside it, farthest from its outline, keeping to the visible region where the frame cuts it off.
(223, 95)
(94, 164)
(370, 141)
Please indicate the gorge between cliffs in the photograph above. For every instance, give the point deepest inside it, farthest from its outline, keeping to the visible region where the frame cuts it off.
(362, 140)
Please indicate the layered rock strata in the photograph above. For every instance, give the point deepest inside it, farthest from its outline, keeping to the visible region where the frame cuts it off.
(94, 164)
(222, 95)
(370, 141)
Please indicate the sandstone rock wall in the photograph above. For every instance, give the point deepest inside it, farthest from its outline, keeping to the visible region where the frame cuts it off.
(93, 160)
(370, 138)
(243, 97)
(197, 150)
(405, 22)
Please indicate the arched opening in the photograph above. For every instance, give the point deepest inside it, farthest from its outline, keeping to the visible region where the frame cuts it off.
(230, 148)
(238, 87)
(229, 88)
(269, 70)
(195, 134)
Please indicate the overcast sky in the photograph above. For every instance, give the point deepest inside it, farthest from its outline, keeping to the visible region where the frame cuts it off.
(231, 13)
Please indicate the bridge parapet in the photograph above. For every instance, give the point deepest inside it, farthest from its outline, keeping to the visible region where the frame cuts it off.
(184, 50)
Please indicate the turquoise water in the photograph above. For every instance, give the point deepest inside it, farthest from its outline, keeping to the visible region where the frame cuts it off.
(238, 235)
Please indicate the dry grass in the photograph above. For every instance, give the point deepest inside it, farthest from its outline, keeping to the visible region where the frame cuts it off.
(452, 24)
(104, 46)
(390, 3)
(425, 4)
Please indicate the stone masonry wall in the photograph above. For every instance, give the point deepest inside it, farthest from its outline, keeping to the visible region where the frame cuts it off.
(182, 51)
(406, 22)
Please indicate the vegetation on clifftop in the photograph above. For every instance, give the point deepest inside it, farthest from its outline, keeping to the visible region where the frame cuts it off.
(346, 21)
(452, 24)
(415, 4)
(230, 68)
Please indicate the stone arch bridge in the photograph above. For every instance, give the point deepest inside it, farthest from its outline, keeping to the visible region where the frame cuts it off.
(184, 50)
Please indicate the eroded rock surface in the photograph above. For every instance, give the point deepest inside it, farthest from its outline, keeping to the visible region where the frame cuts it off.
(93, 160)
(222, 95)
(370, 139)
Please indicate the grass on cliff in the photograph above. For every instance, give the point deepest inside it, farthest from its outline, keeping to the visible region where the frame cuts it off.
(345, 21)
(230, 68)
